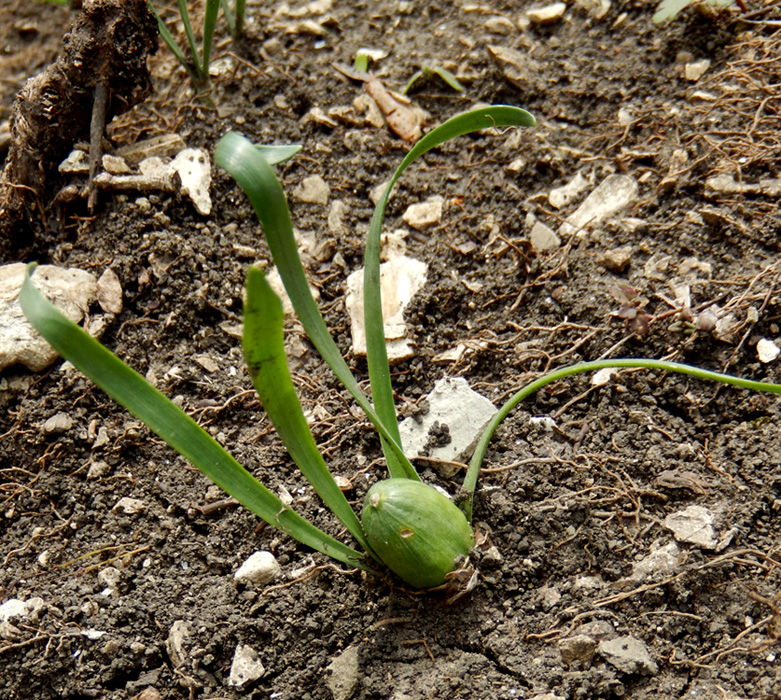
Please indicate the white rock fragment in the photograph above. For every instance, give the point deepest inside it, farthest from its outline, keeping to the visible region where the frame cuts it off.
(246, 667)
(165, 145)
(561, 196)
(767, 350)
(313, 190)
(260, 568)
(115, 165)
(109, 577)
(453, 404)
(343, 674)
(548, 14)
(693, 525)
(628, 655)
(70, 290)
(603, 376)
(13, 609)
(660, 563)
(424, 214)
(543, 238)
(110, 292)
(500, 25)
(195, 170)
(612, 195)
(77, 163)
(178, 636)
(596, 8)
(129, 506)
(695, 70)
(57, 424)
(400, 279)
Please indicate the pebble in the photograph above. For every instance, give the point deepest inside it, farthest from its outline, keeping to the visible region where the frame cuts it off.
(336, 214)
(195, 170)
(342, 676)
(129, 506)
(454, 404)
(57, 424)
(260, 568)
(424, 214)
(616, 260)
(401, 278)
(500, 25)
(246, 667)
(628, 655)
(313, 190)
(693, 525)
(561, 196)
(767, 350)
(612, 195)
(115, 165)
(543, 238)
(71, 290)
(695, 70)
(110, 292)
(109, 577)
(178, 635)
(548, 14)
(580, 648)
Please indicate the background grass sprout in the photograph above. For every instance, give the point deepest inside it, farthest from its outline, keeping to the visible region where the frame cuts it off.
(668, 9)
(197, 65)
(406, 525)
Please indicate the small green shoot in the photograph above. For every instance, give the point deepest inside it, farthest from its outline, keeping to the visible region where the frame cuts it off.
(197, 65)
(431, 69)
(668, 9)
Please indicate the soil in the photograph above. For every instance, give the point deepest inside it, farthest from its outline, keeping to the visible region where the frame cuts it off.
(571, 509)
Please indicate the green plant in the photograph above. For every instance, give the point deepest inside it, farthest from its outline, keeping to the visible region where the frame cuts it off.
(429, 69)
(668, 9)
(197, 66)
(406, 524)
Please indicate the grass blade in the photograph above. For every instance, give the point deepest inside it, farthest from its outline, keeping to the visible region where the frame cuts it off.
(172, 45)
(188, 30)
(170, 423)
(264, 350)
(239, 157)
(377, 356)
(241, 10)
(209, 24)
(278, 154)
(229, 19)
(473, 471)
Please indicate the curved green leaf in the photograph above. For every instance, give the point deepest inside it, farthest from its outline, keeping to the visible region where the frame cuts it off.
(170, 423)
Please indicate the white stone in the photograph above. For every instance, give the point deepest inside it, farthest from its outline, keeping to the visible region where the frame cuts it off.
(260, 568)
(424, 214)
(13, 609)
(661, 562)
(400, 279)
(77, 163)
(129, 506)
(767, 350)
(313, 190)
(500, 25)
(246, 667)
(603, 376)
(543, 238)
(110, 292)
(628, 655)
(612, 195)
(693, 525)
(195, 170)
(70, 290)
(115, 165)
(109, 577)
(548, 14)
(178, 636)
(57, 424)
(342, 676)
(451, 403)
(694, 71)
(561, 196)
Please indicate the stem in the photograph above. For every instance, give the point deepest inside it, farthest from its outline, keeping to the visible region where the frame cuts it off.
(470, 482)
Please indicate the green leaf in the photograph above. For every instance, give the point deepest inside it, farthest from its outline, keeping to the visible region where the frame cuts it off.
(470, 481)
(209, 24)
(278, 154)
(170, 423)
(377, 356)
(240, 158)
(188, 30)
(264, 350)
(173, 46)
(448, 77)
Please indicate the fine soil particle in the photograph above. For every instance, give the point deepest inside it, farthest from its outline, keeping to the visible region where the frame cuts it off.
(141, 597)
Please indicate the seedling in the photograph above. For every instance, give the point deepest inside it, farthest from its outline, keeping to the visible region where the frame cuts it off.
(430, 69)
(197, 66)
(406, 525)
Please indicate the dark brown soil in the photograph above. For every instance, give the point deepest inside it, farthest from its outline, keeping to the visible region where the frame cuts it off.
(570, 510)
